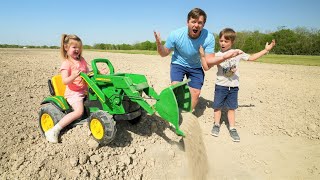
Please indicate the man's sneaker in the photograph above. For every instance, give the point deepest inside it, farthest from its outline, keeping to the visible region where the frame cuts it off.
(51, 136)
(234, 135)
(215, 130)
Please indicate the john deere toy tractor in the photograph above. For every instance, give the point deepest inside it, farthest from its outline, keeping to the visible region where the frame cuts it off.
(113, 97)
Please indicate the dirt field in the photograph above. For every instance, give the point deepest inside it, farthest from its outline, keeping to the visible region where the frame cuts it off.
(278, 121)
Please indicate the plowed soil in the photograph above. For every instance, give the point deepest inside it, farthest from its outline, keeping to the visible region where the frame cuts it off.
(278, 120)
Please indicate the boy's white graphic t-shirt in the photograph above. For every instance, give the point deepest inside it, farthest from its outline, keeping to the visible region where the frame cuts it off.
(228, 70)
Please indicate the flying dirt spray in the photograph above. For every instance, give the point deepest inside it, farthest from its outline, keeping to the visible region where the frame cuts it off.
(194, 147)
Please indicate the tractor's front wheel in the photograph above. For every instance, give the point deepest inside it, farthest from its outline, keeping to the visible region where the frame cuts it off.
(102, 127)
(49, 116)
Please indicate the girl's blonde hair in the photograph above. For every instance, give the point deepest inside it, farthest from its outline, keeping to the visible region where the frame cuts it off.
(66, 41)
(229, 34)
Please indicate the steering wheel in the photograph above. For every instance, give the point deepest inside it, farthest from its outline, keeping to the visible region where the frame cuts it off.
(95, 69)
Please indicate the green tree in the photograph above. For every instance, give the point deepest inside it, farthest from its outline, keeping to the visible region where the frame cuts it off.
(287, 41)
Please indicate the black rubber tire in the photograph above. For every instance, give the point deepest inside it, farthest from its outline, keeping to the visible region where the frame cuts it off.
(135, 121)
(49, 116)
(102, 127)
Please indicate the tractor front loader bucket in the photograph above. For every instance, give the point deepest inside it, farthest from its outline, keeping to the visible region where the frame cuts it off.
(171, 101)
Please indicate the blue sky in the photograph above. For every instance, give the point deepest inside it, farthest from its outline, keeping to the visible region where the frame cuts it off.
(34, 22)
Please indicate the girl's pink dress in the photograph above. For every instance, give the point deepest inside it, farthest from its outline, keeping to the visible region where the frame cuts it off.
(76, 90)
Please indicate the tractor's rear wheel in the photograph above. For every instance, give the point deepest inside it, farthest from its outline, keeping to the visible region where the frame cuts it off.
(102, 127)
(49, 116)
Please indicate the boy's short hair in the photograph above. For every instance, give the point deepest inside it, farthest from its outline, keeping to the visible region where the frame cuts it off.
(228, 33)
(196, 13)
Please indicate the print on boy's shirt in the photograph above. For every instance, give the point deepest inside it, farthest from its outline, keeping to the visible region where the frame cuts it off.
(229, 67)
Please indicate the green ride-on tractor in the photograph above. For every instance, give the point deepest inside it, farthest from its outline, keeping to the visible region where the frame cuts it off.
(114, 97)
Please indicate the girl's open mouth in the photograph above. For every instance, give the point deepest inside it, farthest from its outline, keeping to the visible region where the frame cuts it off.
(76, 55)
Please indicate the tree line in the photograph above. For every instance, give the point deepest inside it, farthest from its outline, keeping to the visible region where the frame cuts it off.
(298, 41)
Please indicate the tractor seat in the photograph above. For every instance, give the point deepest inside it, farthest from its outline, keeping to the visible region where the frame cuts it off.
(56, 86)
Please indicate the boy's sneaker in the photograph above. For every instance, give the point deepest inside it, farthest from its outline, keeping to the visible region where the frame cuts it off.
(215, 130)
(51, 136)
(234, 135)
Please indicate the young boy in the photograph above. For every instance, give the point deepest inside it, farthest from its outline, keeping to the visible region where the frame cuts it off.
(226, 87)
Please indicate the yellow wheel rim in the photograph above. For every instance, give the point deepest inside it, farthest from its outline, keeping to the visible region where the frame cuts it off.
(46, 122)
(96, 129)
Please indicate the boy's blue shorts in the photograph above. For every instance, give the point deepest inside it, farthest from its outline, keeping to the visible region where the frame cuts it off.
(177, 73)
(225, 97)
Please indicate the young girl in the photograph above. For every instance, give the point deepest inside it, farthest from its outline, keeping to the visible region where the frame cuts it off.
(227, 83)
(73, 63)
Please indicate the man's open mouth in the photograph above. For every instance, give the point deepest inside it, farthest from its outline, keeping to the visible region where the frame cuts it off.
(194, 31)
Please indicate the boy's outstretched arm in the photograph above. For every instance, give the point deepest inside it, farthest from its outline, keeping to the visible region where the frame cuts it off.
(209, 60)
(267, 48)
